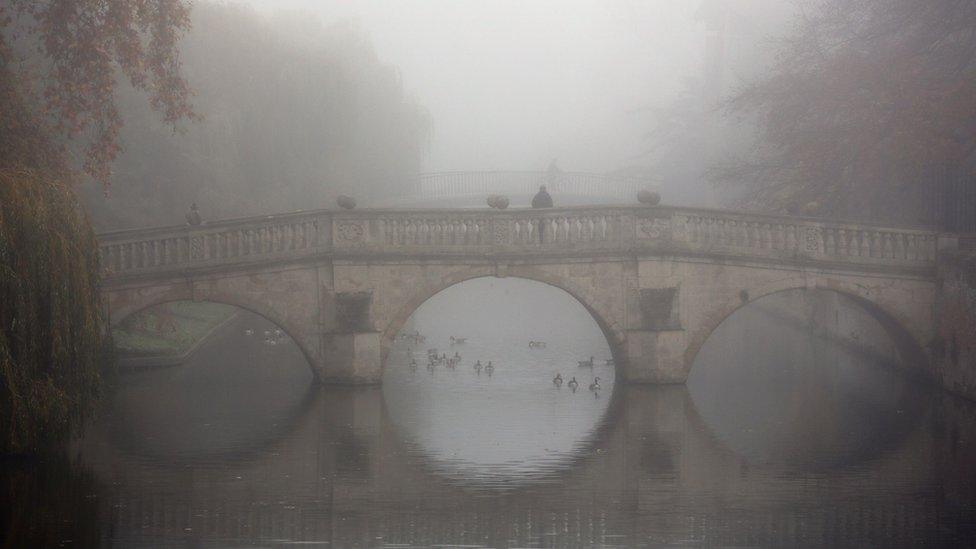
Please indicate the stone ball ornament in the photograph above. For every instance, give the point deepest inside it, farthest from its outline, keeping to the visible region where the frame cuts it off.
(649, 197)
(346, 202)
(498, 201)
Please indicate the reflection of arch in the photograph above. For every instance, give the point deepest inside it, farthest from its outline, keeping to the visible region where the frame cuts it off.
(184, 293)
(909, 345)
(121, 436)
(427, 466)
(612, 331)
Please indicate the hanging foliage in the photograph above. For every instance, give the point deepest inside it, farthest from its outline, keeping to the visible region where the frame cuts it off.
(50, 326)
(50, 337)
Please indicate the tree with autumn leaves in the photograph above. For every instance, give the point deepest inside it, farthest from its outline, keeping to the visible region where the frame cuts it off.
(60, 63)
(869, 109)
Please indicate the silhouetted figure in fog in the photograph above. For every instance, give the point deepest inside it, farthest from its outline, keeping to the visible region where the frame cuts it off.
(553, 172)
(542, 200)
(193, 216)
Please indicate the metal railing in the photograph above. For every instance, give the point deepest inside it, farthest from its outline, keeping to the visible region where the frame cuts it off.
(446, 184)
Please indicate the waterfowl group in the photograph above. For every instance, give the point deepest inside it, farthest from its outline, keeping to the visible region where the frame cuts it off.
(270, 338)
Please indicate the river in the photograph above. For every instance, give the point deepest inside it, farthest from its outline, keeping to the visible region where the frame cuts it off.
(785, 435)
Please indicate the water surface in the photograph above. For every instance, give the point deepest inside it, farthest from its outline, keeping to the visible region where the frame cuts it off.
(785, 436)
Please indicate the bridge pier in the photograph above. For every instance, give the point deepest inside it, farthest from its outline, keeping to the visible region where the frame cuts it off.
(655, 357)
(351, 359)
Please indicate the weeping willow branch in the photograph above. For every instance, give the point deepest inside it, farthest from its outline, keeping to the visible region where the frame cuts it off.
(50, 325)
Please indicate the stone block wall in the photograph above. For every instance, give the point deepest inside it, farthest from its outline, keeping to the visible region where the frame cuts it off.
(954, 347)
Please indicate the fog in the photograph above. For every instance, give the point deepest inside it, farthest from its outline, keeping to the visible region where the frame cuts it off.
(303, 101)
(512, 85)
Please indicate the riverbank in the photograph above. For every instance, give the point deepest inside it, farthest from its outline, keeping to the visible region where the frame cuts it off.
(168, 334)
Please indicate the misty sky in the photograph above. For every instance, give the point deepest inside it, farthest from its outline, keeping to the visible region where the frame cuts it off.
(512, 84)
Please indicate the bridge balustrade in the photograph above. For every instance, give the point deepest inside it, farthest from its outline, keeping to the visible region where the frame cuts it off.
(522, 232)
(256, 239)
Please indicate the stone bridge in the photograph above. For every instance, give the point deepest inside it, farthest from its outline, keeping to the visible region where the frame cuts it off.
(657, 280)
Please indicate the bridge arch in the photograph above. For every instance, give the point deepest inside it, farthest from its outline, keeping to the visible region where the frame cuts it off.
(599, 311)
(122, 311)
(910, 344)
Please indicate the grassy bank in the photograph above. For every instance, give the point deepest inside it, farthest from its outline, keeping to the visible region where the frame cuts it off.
(169, 329)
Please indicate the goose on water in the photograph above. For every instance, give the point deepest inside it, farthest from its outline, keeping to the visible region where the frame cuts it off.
(573, 384)
(586, 363)
(249, 332)
(489, 369)
(595, 386)
(558, 380)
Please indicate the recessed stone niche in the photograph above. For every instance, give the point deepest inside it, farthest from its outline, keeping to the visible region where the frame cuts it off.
(352, 312)
(659, 309)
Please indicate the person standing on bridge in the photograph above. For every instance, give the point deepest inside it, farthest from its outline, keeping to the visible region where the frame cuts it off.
(541, 200)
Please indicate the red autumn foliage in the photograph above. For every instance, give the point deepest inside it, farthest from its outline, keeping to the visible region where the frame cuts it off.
(87, 45)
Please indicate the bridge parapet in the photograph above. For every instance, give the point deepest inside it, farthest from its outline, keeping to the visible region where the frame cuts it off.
(520, 233)
(632, 229)
(215, 245)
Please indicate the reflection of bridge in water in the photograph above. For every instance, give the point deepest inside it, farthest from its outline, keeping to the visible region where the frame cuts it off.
(657, 280)
(653, 475)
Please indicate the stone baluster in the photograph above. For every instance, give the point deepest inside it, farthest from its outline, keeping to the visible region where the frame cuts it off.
(409, 232)
(442, 236)
(527, 230)
(422, 233)
(436, 235)
(747, 231)
(694, 229)
(734, 228)
(843, 244)
(829, 243)
(585, 233)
